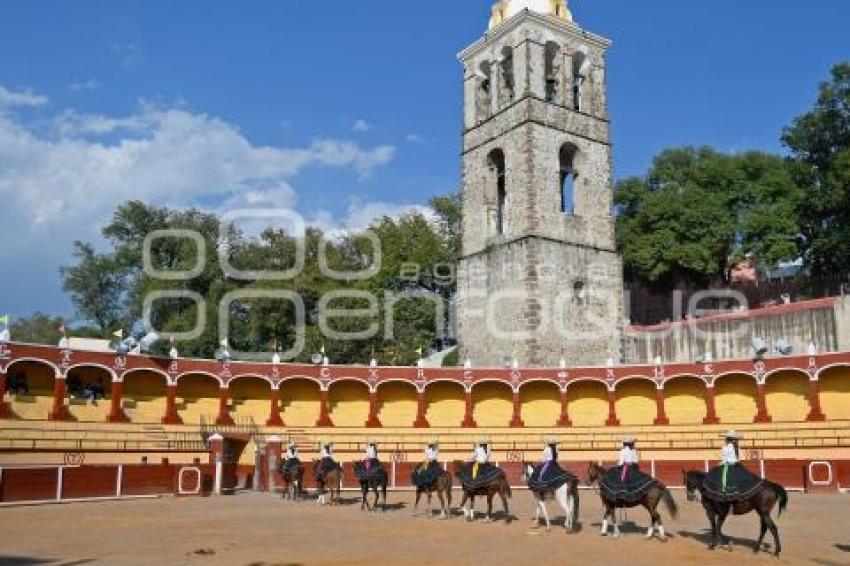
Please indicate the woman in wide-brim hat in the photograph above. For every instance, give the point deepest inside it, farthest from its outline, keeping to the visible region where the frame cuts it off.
(326, 461)
(426, 472)
(730, 480)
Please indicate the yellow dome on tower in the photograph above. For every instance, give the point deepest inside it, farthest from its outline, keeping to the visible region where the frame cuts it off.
(505, 9)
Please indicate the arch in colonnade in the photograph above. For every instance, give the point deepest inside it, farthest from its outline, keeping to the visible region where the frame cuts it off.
(492, 403)
(587, 402)
(144, 395)
(300, 401)
(79, 379)
(445, 403)
(786, 395)
(198, 397)
(349, 403)
(397, 403)
(735, 398)
(540, 403)
(635, 401)
(684, 400)
(40, 377)
(834, 384)
(250, 398)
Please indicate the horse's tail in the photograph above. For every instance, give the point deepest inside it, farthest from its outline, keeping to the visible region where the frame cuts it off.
(781, 494)
(669, 502)
(574, 495)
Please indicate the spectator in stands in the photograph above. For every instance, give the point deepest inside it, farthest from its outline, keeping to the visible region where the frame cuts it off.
(18, 385)
(74, 386)
(96, 391)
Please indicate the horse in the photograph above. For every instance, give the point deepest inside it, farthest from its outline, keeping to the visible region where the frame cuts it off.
(761, 501)
(656, 494)
(442, 484)
(566, 496)
(293, 482)
(375, 481)
(331, 483)
(499, 486)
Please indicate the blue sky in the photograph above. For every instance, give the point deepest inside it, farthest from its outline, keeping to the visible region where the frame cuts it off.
(343, 110)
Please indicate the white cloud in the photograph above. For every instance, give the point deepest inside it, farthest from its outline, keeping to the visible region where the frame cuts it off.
(10, 99)
(413, 138)
(91, 84)
(360, 215)
(62, 183)
(361, 126)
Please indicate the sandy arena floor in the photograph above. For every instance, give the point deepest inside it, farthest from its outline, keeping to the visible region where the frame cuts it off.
(260, 529)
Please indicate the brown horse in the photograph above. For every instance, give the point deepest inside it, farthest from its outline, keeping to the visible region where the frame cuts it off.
(498, 486)
(442, 484)
(762, 502)
(330, 483)
(657, 493)
(293, 482)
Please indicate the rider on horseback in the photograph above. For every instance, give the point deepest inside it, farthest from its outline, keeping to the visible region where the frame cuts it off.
(549, 475)
(626, 483)
(370, 465)
(326, 462)
(730, 480)
(291, 461)
(479, 471)
(426, 472)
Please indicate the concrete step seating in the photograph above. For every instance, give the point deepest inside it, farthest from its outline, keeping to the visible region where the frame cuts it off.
(103, 436)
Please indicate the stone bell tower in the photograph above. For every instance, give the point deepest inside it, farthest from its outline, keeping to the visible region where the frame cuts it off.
(540, 279)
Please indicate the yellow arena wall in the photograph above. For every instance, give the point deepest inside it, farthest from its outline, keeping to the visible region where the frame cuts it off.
(349, 403)
(144, 396)
(684, 400)
(635, 403)
(835, 393)
(397, 404)
(540, 404)
(492, 404)
(250, 398)
(735, 399)
(197, 397)
(299, 401)
(587, 403)
(445, 405)
(785, 396)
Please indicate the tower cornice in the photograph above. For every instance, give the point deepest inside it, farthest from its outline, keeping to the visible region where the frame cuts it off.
(572, 30)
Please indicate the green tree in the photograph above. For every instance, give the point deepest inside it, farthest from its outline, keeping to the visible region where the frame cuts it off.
(38, 328)
(820, 143)
(698, 212)
(97, 287)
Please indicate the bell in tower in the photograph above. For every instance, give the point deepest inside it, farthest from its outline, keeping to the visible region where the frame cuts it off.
(540, 279)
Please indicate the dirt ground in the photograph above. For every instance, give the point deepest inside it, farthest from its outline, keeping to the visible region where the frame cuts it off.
(260, 529)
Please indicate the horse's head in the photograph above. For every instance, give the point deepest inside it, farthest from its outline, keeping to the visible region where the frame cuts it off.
(692, 482)
(527, 470)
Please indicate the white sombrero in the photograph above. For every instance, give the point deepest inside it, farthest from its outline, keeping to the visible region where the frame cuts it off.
(731, 434)
(629, 439)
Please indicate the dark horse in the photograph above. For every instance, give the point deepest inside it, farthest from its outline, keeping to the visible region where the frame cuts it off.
(442, 484)
(656, 493)
(376, 480)
(761, 501)
(293, 481)
(499, 485)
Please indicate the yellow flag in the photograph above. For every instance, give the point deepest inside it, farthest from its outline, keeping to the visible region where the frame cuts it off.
(119, 333)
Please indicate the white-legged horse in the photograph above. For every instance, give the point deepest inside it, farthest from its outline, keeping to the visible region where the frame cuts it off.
(566, 496)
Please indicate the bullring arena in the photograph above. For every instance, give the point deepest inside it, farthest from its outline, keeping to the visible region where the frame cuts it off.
(207, 428)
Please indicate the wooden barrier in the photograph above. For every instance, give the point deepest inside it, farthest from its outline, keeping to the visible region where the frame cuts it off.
(64, 483)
